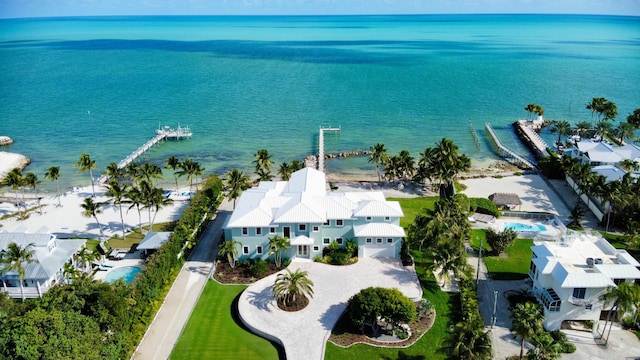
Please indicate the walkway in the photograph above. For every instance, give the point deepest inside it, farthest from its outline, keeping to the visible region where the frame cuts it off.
(304, 333)
(164, 331)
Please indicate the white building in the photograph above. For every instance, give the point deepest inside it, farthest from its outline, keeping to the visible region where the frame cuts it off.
(51, 255)
(311, 217)
(571, 274)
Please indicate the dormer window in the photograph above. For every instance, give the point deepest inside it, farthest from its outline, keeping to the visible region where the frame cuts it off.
(368, 218)
(339, 222)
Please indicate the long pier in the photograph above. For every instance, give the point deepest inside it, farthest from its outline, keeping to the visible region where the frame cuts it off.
(321, 146)
(532, 138)
(507, 153)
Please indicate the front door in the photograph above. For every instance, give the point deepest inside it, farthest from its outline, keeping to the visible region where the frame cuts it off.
(303, 250)
(286, 232)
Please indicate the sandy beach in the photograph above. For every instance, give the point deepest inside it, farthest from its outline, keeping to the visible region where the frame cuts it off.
(8, 161)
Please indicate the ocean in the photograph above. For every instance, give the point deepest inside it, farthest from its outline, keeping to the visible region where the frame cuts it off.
(103, 85)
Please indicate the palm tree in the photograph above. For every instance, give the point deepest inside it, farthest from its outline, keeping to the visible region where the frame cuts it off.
(625, 131)
(149, 172)
(629, 165)
(229, 249)
(92, 209)
(13, 258)
(136, 199)
(530, 108)
(545, 347)
(582, 128)
(634, 118)
(448, 258)
(132, 171)
(155, 202)
(86, 256)
(15, 180)
(469, 341)
(285, 171)
(190, 169)
(612, 195)
(562, 128)
(69, 271)
(173, 163)
(445, 162)
(595, 105)
(539, 110)
(296, 165)
(87, 164)
(289, 286)
(30, 179)
(278, 245)
(406, 164)
(263, 175)
(392, 168)
(112, 171)
(235, 184)
(378, 156)
(609, 111)
(526, 322)
(53, 174)
(625, 298)
(263, 161)
(117, 192)
(603, 128)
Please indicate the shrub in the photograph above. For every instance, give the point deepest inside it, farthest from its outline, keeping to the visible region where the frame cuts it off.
(424, 308)
(500, 240)
(373, 303)
(484, 206)
(258, 268)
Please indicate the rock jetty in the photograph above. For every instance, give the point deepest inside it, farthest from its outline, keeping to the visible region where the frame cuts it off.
(5, 140)
(312, 160)
(10, 161)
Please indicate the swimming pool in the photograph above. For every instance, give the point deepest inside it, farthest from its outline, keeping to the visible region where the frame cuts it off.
(520, 227)
(128, 273)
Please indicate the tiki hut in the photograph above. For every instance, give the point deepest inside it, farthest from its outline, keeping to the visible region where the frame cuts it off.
(505, 201)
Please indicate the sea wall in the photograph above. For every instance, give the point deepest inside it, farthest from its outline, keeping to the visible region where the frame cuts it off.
(526, 131)
(9, 161)
(312, 160)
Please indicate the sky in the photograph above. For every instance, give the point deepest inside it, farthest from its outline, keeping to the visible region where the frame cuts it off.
(56, 8)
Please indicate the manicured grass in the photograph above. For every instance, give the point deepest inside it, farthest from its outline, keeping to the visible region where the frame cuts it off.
(430, 345)
(513, 264)
(413, 206)
(213, 333)
(135, 236)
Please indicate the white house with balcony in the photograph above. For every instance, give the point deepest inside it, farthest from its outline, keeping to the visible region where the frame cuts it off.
(51, 255)
(311, 217)
(570, 275)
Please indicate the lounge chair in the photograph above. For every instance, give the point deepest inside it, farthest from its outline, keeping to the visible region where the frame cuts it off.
(103, 268)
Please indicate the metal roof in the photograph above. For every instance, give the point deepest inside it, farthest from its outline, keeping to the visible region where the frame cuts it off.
(153, 240)
(378, 230)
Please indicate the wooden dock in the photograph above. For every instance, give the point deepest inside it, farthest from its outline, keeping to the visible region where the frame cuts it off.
(531, 138)
(161, 135)
(321, 145)
(507, 153)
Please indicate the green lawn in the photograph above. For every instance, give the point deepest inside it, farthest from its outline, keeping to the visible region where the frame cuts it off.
(213, 333)
(135, 236)
(413, 206)
(513, 264)
(429, 346)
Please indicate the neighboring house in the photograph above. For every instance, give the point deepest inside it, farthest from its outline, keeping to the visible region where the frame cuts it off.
(303, 211)
(152, 241)
(51, 255)
(570, 275)
(602, 153)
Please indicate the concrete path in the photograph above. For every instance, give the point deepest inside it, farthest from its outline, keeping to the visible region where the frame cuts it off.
(164, 331)
(304, 333)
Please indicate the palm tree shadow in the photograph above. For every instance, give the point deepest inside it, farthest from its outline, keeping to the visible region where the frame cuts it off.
(236, 318)
(261, 299)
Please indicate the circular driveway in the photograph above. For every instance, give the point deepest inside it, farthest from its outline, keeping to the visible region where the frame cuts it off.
(304, 333)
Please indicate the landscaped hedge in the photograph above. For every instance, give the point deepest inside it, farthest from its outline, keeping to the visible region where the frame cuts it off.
(484, 206)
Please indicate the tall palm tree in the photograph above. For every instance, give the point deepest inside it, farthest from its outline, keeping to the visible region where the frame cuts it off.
(112, 171)
(117, 192)
(290, 286)
(562, 128)
(263, 161)
(406, 164)
(448, 258)
(285, 171)
(132, 171)
(278, 245)
(150, 172)
(595, 105)
(625, 131)
(229, 249)
(379, 156)
(445, 162)
(235, 184)
(136, 200)
(173, 163)
(629, 165)
(530, 108)
(53, 174)
(468, 340)
(86, 256)
(190, 169)
(91, 208)
(609, 111)
(526, 322)
(582, 128)
(30, 179)
(155, 202)
(296, 165)
(625, 298)
(13, 258)
(545, 347)
(15, 180)
(634, 118)
(87, 164)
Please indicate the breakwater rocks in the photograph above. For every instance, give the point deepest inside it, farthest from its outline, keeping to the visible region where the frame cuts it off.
(9, 161)
(312, 160)
(5, 140)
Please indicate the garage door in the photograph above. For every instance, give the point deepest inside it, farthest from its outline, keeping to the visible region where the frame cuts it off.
(379, 251)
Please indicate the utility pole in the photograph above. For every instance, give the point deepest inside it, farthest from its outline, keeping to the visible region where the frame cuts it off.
(495, 303)
(478, 269)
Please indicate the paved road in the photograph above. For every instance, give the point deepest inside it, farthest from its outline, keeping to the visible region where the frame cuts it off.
(164, 331)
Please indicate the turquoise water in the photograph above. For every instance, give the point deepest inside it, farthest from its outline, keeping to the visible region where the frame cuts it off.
(525, 227)
(103, 85)
(128, 273)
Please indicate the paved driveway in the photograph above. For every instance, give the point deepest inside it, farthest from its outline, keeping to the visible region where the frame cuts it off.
(304, 333)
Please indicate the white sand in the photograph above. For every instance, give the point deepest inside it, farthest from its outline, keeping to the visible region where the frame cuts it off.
(8, 161)
(67, 221)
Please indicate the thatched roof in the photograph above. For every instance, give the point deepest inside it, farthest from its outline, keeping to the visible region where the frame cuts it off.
(505, 199)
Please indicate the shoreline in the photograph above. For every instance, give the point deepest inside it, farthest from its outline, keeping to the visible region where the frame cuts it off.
(9, 161)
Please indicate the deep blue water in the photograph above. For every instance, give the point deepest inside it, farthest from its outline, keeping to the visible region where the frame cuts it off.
(103, 85)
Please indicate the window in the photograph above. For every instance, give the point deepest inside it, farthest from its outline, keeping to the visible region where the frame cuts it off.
(579, 293)
(302, 227)
(245, 250)
(326, 223)
(245, 231)
(316, 228)
(368, 218)
(259, 249)
(378, 241)
(272, 230)
(369, 241)
(258, 231)
(551, 300)
(316, 248)
(389, 241)
(386, 218)
(339, 241)
(339, 222)
(326, 241)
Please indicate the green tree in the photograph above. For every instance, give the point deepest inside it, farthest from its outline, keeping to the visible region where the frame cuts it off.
(87, 164)
(191, 169)
(53, 174)
(229, 249)
(379, 156)
(544, 347)
(285, 171)
(582, 128)
(91, 208)
(406, 164)
(117, 192)
(625, 131)
(444, 163)
(173, 163)
(15, 180)
(277, 246)
(86, 256)
(629, 165)
(595, 105)
(530, 109)
(150, 172)
(155, 202)
(263, 161)
(136, 199)
(500, 240)
(290, 287)
(113, 172)
(235, 183)
(468, 340)
(626, 300)
(577, 215)
(562, 128)
(526, 322)
(373, 303)
(449, 258)
(263, 175)
(12, 260)
(634, 118)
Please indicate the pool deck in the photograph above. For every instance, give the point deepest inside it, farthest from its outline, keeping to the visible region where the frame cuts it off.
(130, 259)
